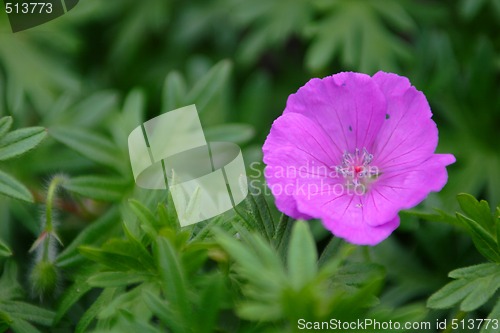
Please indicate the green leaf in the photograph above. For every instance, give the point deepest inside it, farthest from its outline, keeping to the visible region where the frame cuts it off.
(32, 313)
(93, 146)
(4, 250)
(75, 292)
(477, 211)
(165, 313)
(102, 188)
(237, 133)
(359, 274)
(144, 215)
(473, 288)
(113, 260)
(302, 256)
(484, 242)
(115, 279)
(174, 92)
(20, 141)
(210, 85)
(172, 277)
(105, 298)
(10, 287)
(210, 303)
(10, 187)
(96, 233)
(490, 327)
(5, 125)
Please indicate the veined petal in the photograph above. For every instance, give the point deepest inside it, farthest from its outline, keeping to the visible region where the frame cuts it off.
(408, 135)
(350, 107)
(296, 147)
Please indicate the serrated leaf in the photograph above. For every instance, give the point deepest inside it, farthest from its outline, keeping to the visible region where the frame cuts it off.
(302, 256)
(20, 141)
(484, 242)
(477, 211)
(98, 187)
(93, 146)
(471, 292)
(5, 125)
(473, 272)
(10, 187)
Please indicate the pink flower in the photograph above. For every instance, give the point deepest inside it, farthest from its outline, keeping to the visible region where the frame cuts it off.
(354, 150)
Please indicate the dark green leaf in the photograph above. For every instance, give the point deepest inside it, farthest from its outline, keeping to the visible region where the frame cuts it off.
(4, 250)
(105, 298)
(477, 211)
(484, 242)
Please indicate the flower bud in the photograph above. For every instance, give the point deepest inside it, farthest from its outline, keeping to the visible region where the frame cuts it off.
(43, 278)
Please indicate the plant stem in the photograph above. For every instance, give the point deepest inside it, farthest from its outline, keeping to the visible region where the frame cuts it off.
(51, 193)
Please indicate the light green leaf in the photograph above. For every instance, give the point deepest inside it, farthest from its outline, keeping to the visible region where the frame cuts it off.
(115, 279)
(474, 287)
(174, 92)
(20, 141)
(10, 187)
(302, 256)
(210, 85)
(5, 124)
(102, 188)
(93, 146)
(237, 133)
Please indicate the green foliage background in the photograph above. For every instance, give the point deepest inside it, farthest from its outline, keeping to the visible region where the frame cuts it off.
(72, 90)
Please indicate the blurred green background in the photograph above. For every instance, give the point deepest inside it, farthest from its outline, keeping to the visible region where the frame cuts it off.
(94, 74)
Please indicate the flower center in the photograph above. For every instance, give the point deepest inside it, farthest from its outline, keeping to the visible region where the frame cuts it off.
(357, 170)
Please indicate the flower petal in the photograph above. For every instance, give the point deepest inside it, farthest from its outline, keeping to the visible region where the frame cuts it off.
(348, 106)
(399, 190)
(408, 136)
(361, 233)
(296, 147)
